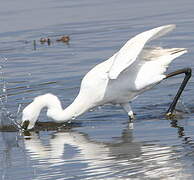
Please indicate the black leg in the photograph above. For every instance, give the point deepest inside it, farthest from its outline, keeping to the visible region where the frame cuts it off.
(187, 72)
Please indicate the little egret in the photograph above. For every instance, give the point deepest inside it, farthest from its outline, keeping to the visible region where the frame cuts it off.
(118, 80)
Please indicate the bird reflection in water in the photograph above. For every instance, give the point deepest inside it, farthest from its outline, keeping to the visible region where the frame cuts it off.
(122, 156)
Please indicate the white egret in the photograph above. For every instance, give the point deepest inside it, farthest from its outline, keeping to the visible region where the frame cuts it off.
(118, 80)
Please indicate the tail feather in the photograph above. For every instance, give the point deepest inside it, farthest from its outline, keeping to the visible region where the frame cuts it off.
(155, 53)
(178, 50)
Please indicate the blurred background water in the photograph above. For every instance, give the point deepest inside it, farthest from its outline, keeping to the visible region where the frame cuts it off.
(101, 145)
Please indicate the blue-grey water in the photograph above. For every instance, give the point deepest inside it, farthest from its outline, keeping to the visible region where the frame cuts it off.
(101, 144)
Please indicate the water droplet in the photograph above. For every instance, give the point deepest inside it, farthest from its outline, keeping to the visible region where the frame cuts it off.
(4, 90)
(19, 109)
(5, 59)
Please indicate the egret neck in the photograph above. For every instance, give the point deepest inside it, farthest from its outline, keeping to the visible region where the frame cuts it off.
(55, 110)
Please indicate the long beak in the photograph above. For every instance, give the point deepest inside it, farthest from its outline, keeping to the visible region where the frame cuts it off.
(25, 124)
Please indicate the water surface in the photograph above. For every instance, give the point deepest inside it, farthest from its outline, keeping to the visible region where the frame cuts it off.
(101, 144)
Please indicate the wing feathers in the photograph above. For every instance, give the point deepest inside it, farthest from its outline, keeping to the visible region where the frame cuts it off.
(130, 51)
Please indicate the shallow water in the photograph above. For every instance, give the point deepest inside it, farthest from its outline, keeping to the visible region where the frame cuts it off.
(101, 144)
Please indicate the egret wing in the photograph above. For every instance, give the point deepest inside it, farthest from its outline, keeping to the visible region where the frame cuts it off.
(130, 51)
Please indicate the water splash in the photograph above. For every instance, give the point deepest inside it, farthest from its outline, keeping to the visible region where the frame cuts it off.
(9, 121)
(3, 98)
(6, 116)
(13, 119)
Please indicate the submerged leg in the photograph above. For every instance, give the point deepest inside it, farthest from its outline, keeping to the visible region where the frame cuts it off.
(127, 108)
(187, 72)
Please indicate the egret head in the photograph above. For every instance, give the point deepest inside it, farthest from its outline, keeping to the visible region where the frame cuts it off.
(29, 116)
(31, 112)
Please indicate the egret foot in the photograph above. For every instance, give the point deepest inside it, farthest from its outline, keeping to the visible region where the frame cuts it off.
(128, 110)
(131, 117)
(170, 115)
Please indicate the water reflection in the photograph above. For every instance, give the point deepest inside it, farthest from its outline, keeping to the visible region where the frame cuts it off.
(121, 158)
(174, 123)
(9, 161)
(10, 143)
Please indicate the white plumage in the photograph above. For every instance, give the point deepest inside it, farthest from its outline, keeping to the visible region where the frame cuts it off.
(118, 80)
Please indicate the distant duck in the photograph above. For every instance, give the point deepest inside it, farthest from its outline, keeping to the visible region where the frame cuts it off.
(118, 80)
(45, 40)
(64, 39)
